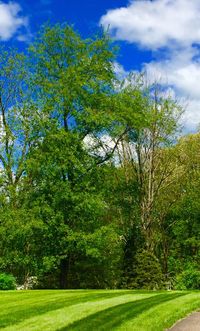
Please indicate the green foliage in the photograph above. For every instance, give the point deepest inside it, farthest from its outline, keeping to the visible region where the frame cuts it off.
(89, 173)
(7, 282)
(189, 279)
(73, 78)
(147, 271)
(99, 261)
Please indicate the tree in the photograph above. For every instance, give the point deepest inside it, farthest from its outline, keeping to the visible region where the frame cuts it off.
(16, 138)
(15, 120)
(151, 166)
(74, 93)
(183, 218)
(92, 177)
(149, 171)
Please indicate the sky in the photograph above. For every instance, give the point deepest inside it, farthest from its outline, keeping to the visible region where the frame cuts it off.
(160, 37)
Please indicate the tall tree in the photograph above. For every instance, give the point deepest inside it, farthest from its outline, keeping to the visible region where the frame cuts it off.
(16, 138)
(143, 150)
(75, 94)
(15, 119)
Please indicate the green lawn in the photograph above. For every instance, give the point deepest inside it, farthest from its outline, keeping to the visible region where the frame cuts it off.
(94, 310)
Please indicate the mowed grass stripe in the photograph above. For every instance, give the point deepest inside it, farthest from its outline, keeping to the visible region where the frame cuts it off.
(15, 306)
(163, 316)
(60, 318)
(113, 317)
(119, 310)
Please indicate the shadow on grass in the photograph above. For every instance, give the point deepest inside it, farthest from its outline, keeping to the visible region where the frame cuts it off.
(115, 316)
(25, 310)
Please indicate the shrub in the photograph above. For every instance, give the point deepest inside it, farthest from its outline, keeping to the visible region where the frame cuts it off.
(148, 273)
(7, 282)
(188, 280)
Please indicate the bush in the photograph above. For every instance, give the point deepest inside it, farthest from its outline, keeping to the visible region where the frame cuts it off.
(7, 282)
(188, 280)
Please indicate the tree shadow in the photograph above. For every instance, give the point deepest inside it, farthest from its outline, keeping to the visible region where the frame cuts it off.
(117, 315)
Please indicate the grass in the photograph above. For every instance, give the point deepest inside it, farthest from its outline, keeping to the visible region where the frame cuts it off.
(88, 310)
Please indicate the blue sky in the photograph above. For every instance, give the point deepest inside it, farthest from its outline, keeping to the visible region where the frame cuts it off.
(161, 37)
(85, 15)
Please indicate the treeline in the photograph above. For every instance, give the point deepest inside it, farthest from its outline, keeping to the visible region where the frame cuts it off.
(96, 189)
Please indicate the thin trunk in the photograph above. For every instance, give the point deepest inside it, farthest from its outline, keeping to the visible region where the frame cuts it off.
(165, 257)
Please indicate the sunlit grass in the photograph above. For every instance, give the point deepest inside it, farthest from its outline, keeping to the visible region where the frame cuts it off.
(94, 310)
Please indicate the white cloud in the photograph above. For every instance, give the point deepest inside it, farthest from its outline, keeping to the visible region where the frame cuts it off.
(105, 144)
(155, 24)
(181, 71)
(99, 145)
(171, 29)
(191, 117)
(120, 72)
(11, 20)
(181, 68)
(180, 74)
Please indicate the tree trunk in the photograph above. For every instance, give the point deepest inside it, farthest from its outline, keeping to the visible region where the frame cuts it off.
(165, 257)
(64, 272)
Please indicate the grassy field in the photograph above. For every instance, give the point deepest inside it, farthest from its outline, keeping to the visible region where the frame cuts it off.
(94, 310)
